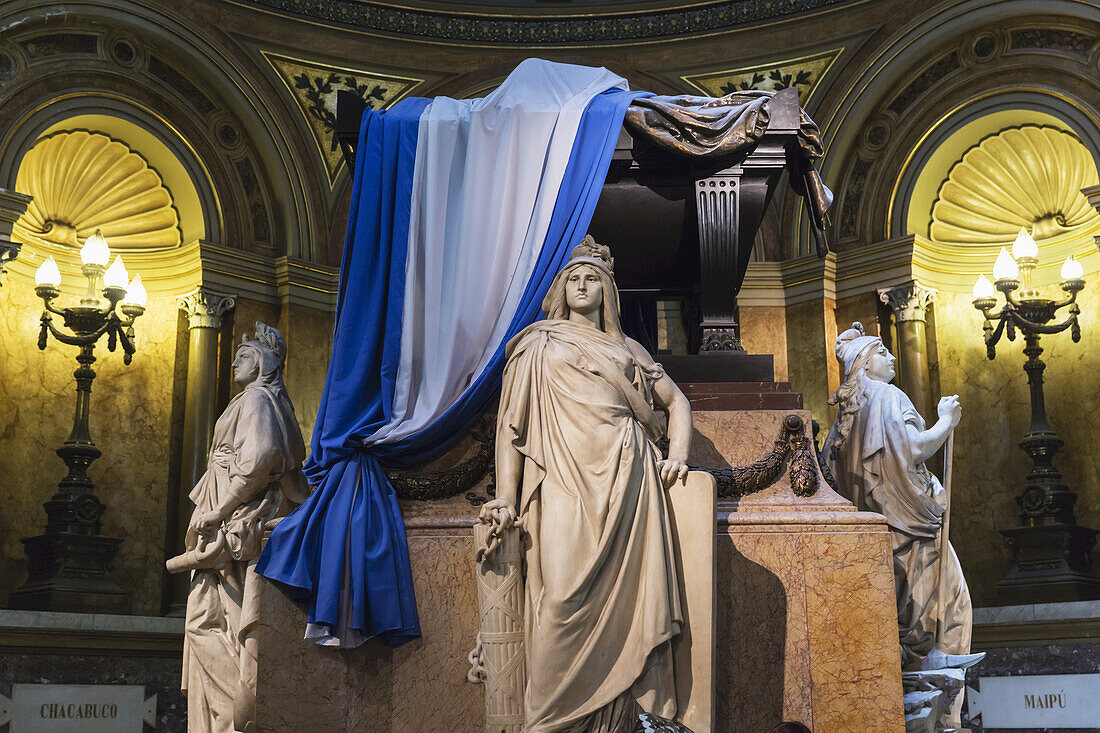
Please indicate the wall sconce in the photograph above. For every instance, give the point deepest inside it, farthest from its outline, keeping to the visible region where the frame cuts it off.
(69, 566)
(1050, 552)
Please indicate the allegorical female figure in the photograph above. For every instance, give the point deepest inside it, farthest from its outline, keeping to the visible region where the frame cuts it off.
(255, 463)
(576, 459)
(876, 449)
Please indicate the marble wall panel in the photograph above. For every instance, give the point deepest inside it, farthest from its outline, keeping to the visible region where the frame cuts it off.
(131, 415)
(811, 361)
(815, 587)
(764, 331)
(852, 614)
(434, 667)
(418, 686)
(304, 687)
(989, 467)
(308, 332)
(762, 676)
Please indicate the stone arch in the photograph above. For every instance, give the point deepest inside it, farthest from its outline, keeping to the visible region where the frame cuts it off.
(154, 66)
(943, 67)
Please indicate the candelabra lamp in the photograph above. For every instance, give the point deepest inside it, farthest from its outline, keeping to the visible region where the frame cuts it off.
(1050, 554)
(69, 564)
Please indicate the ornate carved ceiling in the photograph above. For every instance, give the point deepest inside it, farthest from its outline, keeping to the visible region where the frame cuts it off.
(583, 22)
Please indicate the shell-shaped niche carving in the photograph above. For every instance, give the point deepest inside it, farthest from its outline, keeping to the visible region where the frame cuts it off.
(83, 181)
(1029, 176)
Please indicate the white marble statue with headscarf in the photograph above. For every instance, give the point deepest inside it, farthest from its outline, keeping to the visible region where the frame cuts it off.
(255, 465)
(577, 460)
(877, 449)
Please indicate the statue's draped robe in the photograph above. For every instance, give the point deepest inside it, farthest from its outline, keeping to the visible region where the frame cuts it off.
(876, 468)
(601, 592)
(255, 456)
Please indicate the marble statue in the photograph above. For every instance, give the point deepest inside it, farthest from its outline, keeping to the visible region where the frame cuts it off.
(255, 466)
(577, 462)
(877, 448)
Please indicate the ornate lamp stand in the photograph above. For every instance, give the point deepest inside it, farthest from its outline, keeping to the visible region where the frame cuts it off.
(69, 565)
(1051, 554)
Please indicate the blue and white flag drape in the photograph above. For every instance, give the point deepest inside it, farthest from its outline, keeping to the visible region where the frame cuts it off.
(462, 211)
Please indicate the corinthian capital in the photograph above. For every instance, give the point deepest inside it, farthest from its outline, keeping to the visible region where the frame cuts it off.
(204, 308)
(909, 302)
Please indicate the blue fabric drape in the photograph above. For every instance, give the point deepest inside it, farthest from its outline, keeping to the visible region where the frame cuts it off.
(350, 530)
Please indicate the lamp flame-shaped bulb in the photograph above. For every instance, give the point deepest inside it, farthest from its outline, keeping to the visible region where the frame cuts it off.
(135, 294)
(983, 288)
(1005, 267)
(1024, 246)
(1071, 269)
(95, 250)
(116, 275)
(48, 274)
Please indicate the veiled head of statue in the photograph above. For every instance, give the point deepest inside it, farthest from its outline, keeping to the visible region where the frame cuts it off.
(588, 259)
(854, 348)
(262, 358)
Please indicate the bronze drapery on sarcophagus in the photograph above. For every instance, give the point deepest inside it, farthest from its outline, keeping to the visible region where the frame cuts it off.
(689, 182)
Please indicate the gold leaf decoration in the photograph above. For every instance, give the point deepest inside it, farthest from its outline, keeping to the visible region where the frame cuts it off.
(314, 87)
(1029, 176)
(83, 181)
(803, 73)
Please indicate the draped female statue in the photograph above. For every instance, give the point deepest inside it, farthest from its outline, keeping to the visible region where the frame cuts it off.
(576, 459)
(255, 463)
(877, 448)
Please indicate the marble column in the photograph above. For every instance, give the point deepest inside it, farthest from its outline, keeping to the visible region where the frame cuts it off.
(205, 310)
(909, 305)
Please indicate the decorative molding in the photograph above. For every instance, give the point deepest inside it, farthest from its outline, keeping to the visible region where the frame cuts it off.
(205, 308)
(587, 25)
(269, 279)
(779, 284)
(314, 86)
(1029, 176)
(908, 302)
(85, 181)
(12, 206)
(803, 73)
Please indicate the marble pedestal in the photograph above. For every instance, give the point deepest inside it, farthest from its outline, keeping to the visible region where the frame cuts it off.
(805, 624)
(807, 619)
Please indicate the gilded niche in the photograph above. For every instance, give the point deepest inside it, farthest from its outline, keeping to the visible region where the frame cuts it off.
(1029, 176)
(83, 181)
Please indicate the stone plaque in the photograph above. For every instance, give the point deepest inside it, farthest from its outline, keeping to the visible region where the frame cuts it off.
(78, 708)
(1037, 701)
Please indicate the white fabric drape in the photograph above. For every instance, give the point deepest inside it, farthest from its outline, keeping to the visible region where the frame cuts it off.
(485, 181)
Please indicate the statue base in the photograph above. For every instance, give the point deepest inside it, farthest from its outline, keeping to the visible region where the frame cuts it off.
(70, 572)
(1050, 564)
(804, 617)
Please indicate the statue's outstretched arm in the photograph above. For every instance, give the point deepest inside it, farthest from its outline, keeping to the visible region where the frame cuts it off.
(926, 443)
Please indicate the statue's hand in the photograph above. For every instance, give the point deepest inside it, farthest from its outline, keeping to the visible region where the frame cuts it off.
(500, 511)
(949, 408)
(208, 522)
(672, 470)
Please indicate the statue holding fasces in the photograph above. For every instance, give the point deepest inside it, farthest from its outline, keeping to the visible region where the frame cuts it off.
(255, 466)
(576, 459)
(877, 449)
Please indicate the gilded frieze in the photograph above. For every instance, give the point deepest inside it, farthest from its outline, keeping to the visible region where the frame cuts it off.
(315, 86)
(803, 73)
